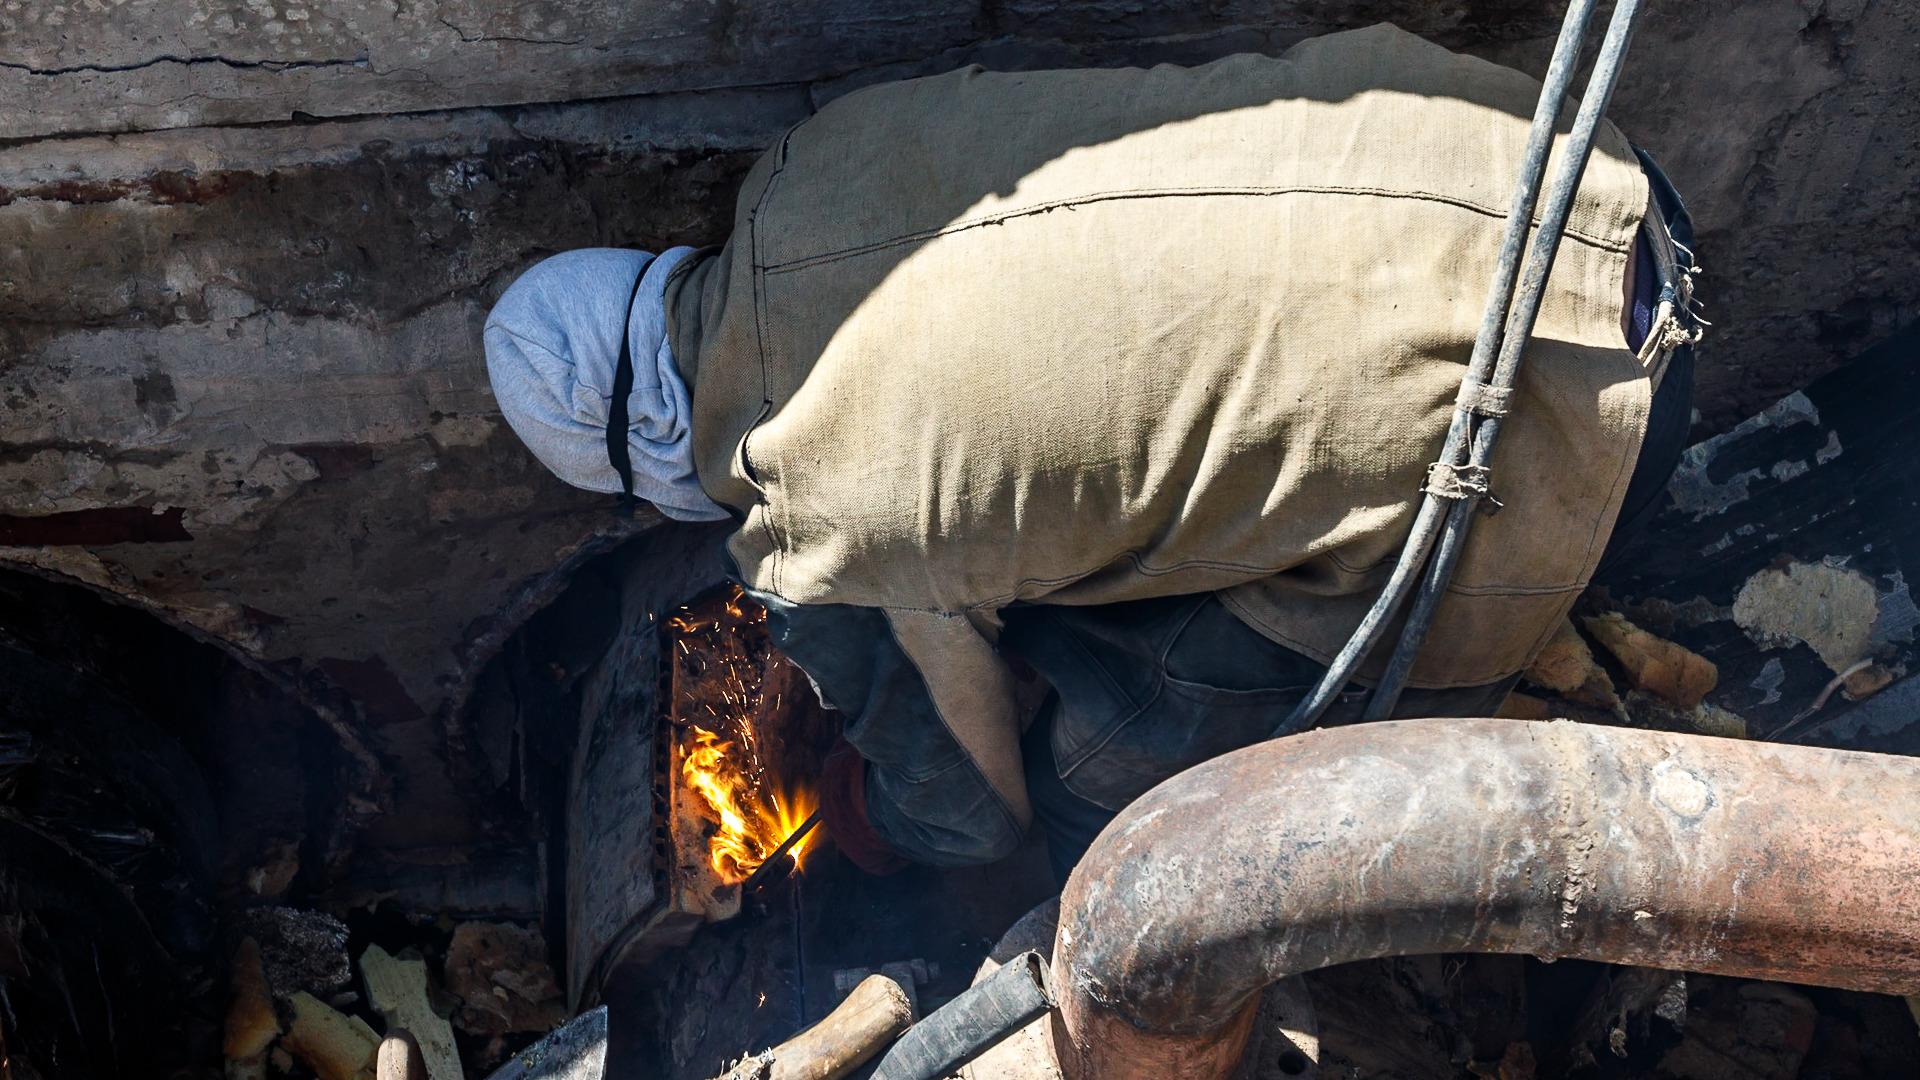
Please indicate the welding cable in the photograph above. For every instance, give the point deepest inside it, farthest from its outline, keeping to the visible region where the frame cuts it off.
(1546, 245)
(972, 1023)
(1480, 366)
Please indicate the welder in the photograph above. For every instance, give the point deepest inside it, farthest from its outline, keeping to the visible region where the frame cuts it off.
(1069, 421)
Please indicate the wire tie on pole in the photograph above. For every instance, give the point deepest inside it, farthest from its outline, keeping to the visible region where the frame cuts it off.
(1485, 398)
(1446, 481)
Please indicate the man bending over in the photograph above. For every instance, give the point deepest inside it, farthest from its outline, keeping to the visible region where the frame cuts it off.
(1127, 378)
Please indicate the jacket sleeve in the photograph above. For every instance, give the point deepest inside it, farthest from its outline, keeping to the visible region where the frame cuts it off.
(932, 711)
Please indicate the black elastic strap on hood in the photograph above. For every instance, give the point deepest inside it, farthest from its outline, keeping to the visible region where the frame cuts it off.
(617, 408)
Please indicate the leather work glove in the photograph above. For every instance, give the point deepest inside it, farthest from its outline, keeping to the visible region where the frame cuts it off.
(843, 809)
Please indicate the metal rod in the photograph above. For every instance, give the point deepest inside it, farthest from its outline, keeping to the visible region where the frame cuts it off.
(1486, 347)
(1418, 837)
(773, 862)
(1519, 331)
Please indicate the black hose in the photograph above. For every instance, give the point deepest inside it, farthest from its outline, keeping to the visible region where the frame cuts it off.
(973, 1023)
(1519, 330)
(1487, 346)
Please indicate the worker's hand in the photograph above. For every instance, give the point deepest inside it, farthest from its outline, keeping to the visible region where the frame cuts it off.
(843, 807)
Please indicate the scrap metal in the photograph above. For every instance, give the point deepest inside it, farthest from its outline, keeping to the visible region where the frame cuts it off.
(1627, 846)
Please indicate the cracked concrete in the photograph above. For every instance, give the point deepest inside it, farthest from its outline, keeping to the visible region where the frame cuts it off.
(246, 246)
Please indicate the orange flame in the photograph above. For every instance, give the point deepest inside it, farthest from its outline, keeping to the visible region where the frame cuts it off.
(755, 812)
(754, 817)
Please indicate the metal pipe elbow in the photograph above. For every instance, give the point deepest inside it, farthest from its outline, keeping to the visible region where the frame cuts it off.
(1423, 836)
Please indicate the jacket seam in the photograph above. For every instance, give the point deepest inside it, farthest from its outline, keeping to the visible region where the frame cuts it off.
(773, 533)
(1148, 570)
(1118, 194)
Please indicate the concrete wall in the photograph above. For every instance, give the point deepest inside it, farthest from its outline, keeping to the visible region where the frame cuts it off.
(246, 247)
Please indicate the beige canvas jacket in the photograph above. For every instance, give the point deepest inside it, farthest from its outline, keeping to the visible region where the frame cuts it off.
(1080, 337)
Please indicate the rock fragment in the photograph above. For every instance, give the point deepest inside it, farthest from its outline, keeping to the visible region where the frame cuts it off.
(399, 1059)
(1566, 667)
(1709, 719)
(275, 873)
(334, 1045)
(1829, 607)
(397, 989)
(501, 975)
(251, 1025)
(1521, 706)
(1673, 673)
(300, 950)
(1867, 682)
(1652, 711)
(1760, 1031)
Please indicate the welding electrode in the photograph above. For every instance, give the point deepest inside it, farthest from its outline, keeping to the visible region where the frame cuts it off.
(766, 873)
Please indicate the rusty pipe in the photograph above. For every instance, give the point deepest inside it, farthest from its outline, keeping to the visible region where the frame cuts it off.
(1425, 836)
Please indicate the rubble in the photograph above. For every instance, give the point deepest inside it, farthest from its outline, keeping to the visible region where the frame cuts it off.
(331, 1043)
(252, 1025)
(1790, 577)
(501, 975)
(397, 989)
(1673, 673)
(1760, 1031)
(300, 950)
(1566, 667)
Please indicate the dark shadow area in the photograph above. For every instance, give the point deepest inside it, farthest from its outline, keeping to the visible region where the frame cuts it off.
(1788, 552)
(150, 784)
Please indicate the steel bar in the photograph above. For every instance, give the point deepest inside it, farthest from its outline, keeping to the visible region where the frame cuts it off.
(771, 867)
(1513, 345)
(1499, 836)
(1480, 366)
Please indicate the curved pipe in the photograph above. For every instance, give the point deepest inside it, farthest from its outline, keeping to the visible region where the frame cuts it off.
(1425, 836)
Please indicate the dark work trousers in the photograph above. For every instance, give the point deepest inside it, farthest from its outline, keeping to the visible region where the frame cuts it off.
(1140, 691)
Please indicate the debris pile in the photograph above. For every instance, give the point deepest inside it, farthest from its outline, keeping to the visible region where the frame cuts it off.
(308, 999)
(1582, 671)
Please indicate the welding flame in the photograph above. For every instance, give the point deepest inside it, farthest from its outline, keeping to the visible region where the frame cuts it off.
(754, 817)
(722, 762)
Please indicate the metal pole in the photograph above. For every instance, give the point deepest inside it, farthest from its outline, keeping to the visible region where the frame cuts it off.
(1519, 330)
(1486, 346)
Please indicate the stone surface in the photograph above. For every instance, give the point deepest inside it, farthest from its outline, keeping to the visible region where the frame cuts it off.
(1789, 557)
(246, 247)
(334, 1045)
(500, 973)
